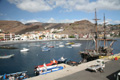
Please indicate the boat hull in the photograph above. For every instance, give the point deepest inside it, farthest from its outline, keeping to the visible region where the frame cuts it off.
(49, 70)
(5, 57)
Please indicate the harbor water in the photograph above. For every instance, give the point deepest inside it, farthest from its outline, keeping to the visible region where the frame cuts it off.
(26, 61)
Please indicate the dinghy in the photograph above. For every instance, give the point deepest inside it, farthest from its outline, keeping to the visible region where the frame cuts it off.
(24, 50)
(6, 56)
(62, 60)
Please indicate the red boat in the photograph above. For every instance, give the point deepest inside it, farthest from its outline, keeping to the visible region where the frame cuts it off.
(51, 46)
(49, 64)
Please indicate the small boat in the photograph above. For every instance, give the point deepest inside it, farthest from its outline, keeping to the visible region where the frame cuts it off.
(62, 60)
(49, 64)
(69, 43)
(45, 49)
(6, 56)
(24, 50)
(52, 62)
(8, 47)
(14, 76)
(51, 46)
(76, 45)
(69, 46)
(44, 67)
(73, 63)
(61, 45)
(48, 70)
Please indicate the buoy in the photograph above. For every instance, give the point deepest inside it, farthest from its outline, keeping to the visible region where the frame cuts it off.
(116, 58)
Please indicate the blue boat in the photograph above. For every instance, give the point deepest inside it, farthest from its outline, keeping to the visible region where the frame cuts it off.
(49, 70)
(14, 76)
(45, 49)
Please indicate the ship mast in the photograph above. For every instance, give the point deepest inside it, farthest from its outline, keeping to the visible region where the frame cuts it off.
(104, 32)
(96, 32)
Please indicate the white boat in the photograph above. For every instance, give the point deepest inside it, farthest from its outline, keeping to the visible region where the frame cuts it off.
(24, 50)
(69, 46)
(76, 45)
(47, 69)
(6, 56)
(61, 45)
(62, 60)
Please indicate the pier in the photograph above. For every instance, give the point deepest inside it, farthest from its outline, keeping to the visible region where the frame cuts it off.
(79, 72)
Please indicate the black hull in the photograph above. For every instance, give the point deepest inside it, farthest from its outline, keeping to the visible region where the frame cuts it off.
(87, 57)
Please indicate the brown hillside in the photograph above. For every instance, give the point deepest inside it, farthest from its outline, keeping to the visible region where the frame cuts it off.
(17, 27)
(78, 27)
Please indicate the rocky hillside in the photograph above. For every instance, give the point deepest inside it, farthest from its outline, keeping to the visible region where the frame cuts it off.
(17, 27)
(78, 27)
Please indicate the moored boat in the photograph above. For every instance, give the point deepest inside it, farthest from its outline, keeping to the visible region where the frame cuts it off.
(52, 62)
(62, 60)
(49, 69)
(45, 49)
(61, 45)
(96, 50)
(24, 50)
(6, 56)
(76, 45)
(14, 76)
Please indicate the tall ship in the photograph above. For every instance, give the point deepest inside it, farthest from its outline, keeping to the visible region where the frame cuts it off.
(99, 50)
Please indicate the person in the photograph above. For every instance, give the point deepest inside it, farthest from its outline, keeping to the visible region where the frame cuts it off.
(64, 66)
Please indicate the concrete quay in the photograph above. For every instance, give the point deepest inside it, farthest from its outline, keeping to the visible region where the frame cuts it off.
(110, 72)
(68, 70)
(79, 72)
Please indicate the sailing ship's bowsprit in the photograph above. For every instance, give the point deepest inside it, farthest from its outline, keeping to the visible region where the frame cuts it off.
(99, 50)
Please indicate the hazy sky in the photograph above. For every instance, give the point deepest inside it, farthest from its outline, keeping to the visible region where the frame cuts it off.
(59, 11)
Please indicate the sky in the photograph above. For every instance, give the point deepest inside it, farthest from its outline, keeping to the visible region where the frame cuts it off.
(59, 11)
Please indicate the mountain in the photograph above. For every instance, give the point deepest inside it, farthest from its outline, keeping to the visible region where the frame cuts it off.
(83, 26)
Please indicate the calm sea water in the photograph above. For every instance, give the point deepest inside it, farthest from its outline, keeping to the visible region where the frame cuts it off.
(28, 60)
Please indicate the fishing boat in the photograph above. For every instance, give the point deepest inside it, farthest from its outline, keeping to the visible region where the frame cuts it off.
(6, 56)
(8, 47)
(61, 45)
(51, 46)
(62, 60)
(14, 76)
(52, 62)
(76, 45)
(69, 43)
(73, 63)
(48, 69)
(24, 50)
(104, 50)
(45, 49)
(69, 46)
